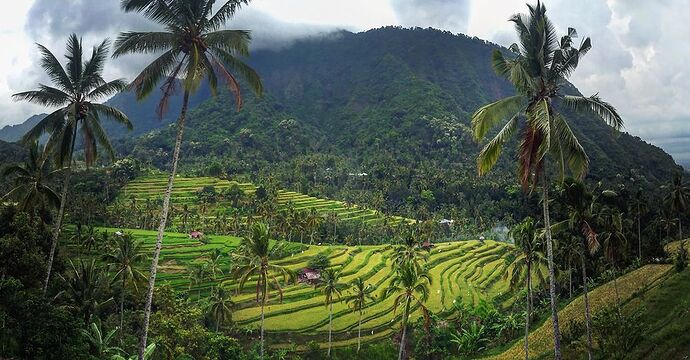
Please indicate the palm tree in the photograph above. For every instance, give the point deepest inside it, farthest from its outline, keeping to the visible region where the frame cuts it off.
(193, 48)
(253, 259)
(213, 264)
(614, 241)
(220, 307)
(99, 344)
(196, 272)
(32, 182)
(639, 205)
(124, 260)
(528, 262)
(330, 287)
(677, 199)
(412, 286)
(361, 296)
(78, 88)
(582, 211)
(84, 288)
(410, 252)
(538, 69)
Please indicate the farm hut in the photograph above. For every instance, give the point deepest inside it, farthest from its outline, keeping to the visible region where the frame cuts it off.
(196, 235)
(309, 276)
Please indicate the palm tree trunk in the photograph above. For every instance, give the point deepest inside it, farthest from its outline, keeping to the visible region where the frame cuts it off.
(639, 234)
(404, 329)
(680, 228)
(263, 301)
(359, 332)
(61, 213)
(330, 328)
(527, 314)
(161, 226)
(570, 280)
(552, 271)
(122, 307)
(588, 318)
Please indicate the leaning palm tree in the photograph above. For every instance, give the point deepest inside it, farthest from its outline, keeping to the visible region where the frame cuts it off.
(220, 307)
(78, 88)
(412, 287)
(538, 68)
(527, 264)
(253, 259)
(124, 260)
(677, 199)
(331, 288)
(192, 47)
(360, 299)
(32, 182)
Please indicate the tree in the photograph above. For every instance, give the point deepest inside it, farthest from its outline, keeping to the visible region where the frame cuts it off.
(124, 260)
(32, 183)
(359, 300)
(253, 259)
(100, 344)
(196, 272)
(677, 199)
(84, 288)
(410, 252)
(220, 307)
(538, 68)
(330, 288)
(193, 49)
(529, 262)
(639, 205)
(78, 88)
(581, 207)
(613, 240)
(412, 287)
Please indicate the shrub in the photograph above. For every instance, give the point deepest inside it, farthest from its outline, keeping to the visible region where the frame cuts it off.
(680, 259)
(617, 334)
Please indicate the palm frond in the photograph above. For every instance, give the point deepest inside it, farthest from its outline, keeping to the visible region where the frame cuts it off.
(491, 114)
(596, 106)
(143, 42)
(107, 89)
(249, 75)
(225, 13)
(46, 96)
(490, 153)
(112, 114)
(573, 153)
(50, 64)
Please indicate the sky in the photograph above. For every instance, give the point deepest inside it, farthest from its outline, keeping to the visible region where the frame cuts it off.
(637, 63)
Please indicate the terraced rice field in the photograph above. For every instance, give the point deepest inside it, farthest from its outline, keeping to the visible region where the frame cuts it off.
(467, 270)
(630, 284)
(185, 189)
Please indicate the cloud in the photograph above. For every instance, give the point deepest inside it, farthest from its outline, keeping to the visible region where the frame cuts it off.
(450, 15)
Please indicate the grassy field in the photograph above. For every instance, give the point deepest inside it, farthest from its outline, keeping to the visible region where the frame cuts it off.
(629, 285)
(460, 270)
(184, 193)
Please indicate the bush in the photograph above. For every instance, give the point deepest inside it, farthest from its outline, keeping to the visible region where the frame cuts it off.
(319, 262)
(680, 259)
(617, 334)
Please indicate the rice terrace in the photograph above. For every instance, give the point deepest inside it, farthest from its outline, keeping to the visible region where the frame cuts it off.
(336, 180)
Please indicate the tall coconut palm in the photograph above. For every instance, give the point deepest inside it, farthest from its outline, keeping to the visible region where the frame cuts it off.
(538, 68)
(677, 199)
(410, 252)
(32, 183)
(331, 290)
(124, 260)
(614, 241)
(528, 263)
(191, 47)
(361, 296)
(412, 287)
(77, 89)
(253, 259)
(640, 206)
(582, 206)
(220, 306)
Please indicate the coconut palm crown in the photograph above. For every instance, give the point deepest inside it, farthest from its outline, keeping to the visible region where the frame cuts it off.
(538, 68)
(192, 47)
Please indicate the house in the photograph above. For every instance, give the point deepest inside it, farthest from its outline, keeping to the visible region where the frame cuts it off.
(446, 222)
(427, 245)
(309, 276)
(196, 235)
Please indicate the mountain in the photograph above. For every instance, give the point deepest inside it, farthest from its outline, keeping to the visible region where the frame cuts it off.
(391, 103)
(12, 133)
